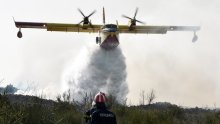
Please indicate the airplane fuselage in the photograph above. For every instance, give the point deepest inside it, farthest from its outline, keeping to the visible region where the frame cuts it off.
(109, 36)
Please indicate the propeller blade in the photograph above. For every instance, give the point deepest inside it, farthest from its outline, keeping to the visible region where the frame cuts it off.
(136, 11)
(81, 12)
(80, 22)
(126, 17)
(91, 13)
(140, 21)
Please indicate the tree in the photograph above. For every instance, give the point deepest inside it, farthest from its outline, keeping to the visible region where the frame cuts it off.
(151, 96)
(142, 97)
(9, 89)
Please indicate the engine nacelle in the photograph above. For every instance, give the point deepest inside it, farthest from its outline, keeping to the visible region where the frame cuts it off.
(19, 34)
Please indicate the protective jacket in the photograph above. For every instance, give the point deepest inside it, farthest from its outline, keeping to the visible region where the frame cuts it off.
(88, 115)
(103, 116)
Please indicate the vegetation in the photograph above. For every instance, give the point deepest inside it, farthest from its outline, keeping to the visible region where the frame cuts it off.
(18, 109)
(9, 89)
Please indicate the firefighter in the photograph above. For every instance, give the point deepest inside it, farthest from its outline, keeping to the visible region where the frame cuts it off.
(100, 114)
(89, 112)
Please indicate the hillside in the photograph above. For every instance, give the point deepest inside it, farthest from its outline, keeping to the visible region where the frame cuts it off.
(21, 109)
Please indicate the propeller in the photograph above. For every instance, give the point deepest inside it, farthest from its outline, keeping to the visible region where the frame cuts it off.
(86, 18)
(133, 20)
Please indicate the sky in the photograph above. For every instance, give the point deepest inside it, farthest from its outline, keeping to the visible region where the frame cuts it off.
(180, 72)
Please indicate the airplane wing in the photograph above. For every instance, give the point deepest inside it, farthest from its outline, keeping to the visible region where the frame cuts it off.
(156, 29)
(59, 27)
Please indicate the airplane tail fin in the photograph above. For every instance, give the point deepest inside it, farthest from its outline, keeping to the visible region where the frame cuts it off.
(103, 15)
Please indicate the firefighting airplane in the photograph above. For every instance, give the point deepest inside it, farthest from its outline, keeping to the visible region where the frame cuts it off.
(108, 34)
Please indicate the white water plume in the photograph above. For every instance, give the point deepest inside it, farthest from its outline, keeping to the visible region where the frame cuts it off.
(96, 70)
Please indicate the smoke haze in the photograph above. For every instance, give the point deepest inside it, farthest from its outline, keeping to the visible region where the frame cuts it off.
(180, 72)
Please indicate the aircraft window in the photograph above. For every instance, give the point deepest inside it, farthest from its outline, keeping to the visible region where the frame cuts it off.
(110, 26)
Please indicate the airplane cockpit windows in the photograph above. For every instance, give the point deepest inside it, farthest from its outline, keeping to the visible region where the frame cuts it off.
(110, 26)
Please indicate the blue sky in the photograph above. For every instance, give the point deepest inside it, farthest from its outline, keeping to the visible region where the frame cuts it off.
(180, 71)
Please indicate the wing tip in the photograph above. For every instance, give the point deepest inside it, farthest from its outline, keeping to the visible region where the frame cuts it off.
(15, 21)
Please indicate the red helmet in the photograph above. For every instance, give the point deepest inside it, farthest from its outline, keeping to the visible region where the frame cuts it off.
(100, 98)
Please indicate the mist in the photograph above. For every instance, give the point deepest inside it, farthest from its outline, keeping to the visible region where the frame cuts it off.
(96, 69)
